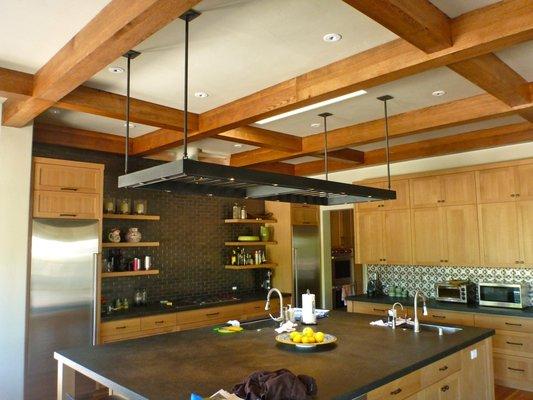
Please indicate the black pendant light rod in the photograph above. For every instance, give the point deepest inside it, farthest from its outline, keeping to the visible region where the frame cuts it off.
(129, 56)
(325, 117)
(187, 17)
(387, 157)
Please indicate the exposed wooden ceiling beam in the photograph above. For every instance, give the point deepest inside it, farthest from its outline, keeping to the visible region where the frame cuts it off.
(117, 28)
(476, 140)
(457, 112)
(417, 21)
(347, 155)
(262, 138)
(278, 167)
(478, 32)
(156, 141)
(78, 138)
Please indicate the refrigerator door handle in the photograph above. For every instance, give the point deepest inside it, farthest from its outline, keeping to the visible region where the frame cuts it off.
(295, 269)
(96, 257)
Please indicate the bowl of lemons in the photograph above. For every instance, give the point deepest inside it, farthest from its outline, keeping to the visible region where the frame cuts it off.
(306, 338)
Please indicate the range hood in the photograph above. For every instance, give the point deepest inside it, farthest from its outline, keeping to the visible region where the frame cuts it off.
(188, 176)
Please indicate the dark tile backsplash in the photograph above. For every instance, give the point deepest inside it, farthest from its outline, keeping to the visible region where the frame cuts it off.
(191, 232)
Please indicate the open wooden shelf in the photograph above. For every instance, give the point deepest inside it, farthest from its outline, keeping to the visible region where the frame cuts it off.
(129, 273)
(128, 244)
(250, 243)
(138, 217)
(250, 221)
(245, 267)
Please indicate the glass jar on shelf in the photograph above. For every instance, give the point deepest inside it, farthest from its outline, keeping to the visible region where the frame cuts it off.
(124, 206)
(109, 205)
(140, 206)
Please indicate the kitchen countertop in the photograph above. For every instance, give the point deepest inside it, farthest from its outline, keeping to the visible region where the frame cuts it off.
(440, 305)
(173, 365)
(177, 306)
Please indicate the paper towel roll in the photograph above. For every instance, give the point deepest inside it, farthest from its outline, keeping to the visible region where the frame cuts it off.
(308, 308)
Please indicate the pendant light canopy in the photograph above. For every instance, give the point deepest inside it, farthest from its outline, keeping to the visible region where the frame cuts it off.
(188, 176)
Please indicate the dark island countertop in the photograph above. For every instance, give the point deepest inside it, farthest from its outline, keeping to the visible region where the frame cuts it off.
(182, 305)
(171, 366)
(440, 305)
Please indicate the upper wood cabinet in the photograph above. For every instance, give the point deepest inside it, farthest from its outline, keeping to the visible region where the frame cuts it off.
(525, 224)
(67, 176)
(400, 203)
(443, 190)
(461, 235)
(67, 189)
(427, 236)
(341, 223)
(505, 184)
(370, 237)
(372, 205)
(524, 178)
(304, 214)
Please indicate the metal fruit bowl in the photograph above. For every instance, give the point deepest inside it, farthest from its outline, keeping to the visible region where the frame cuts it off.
(286, 339)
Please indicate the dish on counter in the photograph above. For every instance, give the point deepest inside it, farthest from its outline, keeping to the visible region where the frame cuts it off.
(306, 339)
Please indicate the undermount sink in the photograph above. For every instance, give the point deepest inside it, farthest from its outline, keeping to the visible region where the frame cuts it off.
(446, 330)
(260, 324)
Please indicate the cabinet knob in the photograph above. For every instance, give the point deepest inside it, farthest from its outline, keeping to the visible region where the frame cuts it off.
(512, 195)
(445, 388)
(517, 194)
(395, 392)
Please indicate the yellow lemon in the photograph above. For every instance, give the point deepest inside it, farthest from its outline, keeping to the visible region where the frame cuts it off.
(305, 339)
(308, 332)
(297, 338)
(311, 339)
(319, 337)
(293, 334)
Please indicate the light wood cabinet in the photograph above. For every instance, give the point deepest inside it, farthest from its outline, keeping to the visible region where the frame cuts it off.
(525, 225)
(158, 321)
(446, 389)
(372, 205)
(524, 174)
(448, 317)
(513, 371)
(443, 190)
(401, 202)
(341, 224)
(398, 389)
(461, 235)
(427, 236)
(304, 214)
(370, 237)
(499, 235)
(440, 369)
(505, 184)
(47, 204)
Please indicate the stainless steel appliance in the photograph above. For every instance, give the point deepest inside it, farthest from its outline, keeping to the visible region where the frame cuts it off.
(306, 262)
(63, 301)
(508, 295)
(342, 271)
(456, 291)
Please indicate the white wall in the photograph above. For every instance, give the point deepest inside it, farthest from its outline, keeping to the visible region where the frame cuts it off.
(512, 152)
(15, 174)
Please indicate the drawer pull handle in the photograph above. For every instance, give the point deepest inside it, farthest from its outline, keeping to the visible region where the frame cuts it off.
(378, 309)
(515, 343)
(159, 322)
(212, 314)
(516, 369)
(443, 368)
(439, 316)
(445, 388)
(121, 327)
(70, 189)
(68, 215)
(512, 324)
(397, 391)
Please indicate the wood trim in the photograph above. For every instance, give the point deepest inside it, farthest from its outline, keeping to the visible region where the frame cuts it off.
(346, 155)
(263, 138)
(417, 21)
(81, 164)
(278, 167)
(117, 28)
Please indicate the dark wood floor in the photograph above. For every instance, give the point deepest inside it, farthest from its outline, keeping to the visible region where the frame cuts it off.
(505, 393)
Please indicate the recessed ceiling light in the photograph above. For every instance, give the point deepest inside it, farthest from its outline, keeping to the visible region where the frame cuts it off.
(438, 93)
(201, 95)
(332, 37)
(312, 107)
(132, 125)
(116, 70)
(237, 145)
(55, 111)
(315, 125)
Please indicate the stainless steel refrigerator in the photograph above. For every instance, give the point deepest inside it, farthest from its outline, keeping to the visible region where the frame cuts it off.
(63, 297)
(306, 262)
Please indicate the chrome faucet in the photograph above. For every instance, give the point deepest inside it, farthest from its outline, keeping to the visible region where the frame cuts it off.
(393, 314)
(281, 318)
(424, 308)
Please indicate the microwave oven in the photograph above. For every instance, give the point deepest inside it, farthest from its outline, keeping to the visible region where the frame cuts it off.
(457, 291)
(503, 295)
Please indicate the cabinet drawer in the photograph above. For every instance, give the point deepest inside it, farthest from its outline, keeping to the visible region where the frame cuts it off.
(158, 321)
(256, 309)
(448, 317)
(505, 323)
(368, 308)
(47, 204)
(397, 390)
(73, 177)
(513, 343)
(207, 315)
(514, 371)
(120, 327)
(440, 369)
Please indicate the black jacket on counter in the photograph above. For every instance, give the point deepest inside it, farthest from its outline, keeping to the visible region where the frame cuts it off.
(277, 385)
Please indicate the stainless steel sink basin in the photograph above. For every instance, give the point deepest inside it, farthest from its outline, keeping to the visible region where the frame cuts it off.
(260, 324)
(446, 330)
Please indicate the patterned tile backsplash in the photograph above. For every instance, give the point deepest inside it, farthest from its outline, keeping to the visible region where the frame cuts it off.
(413, 277)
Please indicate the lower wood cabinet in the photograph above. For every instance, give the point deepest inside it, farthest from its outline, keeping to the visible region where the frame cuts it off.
(513, 371)
(448, 317)
(446, 389)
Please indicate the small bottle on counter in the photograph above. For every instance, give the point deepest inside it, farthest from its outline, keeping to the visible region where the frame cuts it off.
(236, 214)
(244, 214)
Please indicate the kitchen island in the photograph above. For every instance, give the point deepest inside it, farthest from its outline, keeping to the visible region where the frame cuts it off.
(366, 359)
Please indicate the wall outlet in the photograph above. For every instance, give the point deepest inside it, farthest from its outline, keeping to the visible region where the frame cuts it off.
(473, 354)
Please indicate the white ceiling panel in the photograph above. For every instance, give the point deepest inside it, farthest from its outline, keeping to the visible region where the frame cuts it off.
(409, 93)
(454, 8)
(240, 47)
(519, 58)
(32, 31)
(300, 160)
(490, 123)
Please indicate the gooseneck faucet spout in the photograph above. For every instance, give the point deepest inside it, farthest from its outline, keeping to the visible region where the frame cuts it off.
(267, 305)
(424, 308)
